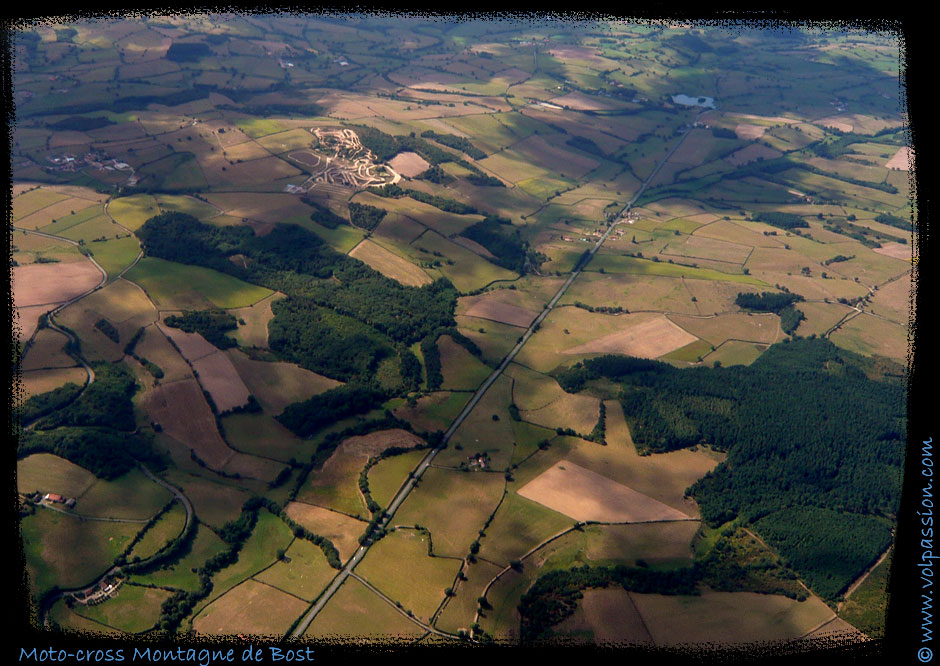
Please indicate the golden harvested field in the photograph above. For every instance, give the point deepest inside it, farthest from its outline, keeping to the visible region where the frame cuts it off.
(155, 347)
(42, 381)
(641, 336)
(896, 251)
(40, 284)
(277, 384)
(763, 328)
(182, 410)
(251, 608)
(344, 531)
(48, 473)
(901, 159)
(58, 212)
(490, 306)
(27, 320)
(867, 334)
(443, 494)
(420, 586)
(585, 495)
(727, 617)
(47, 351)
(219, 377)
(390, 264)
(356, 614)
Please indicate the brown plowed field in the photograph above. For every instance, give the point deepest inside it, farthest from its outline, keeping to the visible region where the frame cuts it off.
(648, 339)
(183, 412)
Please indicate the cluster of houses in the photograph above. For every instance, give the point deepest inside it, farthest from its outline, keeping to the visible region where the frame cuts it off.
(71, 163)
(54, 498)
(100, 592)
(478, 461)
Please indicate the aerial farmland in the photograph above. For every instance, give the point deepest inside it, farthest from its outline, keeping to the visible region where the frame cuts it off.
(377, 329)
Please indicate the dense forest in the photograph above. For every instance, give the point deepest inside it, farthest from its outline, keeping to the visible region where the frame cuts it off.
(330, 296)
(96, 430)
(210, 324)
(803, 427)
(305, 418)
(502, 239)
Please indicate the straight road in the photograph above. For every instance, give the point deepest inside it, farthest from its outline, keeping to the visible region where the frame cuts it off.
(426, 462)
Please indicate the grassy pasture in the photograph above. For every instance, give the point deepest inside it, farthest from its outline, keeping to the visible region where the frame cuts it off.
(47, 351)
(604, 615)
(495, 339)
(469, 271)
(867, 605)
(386, 477)
(132, 496)
(420, 587)
(214, 503)
(278, 384)
(867, 335)
(115, 254)
(520, 525)
(612, 263)
(443, 494)
(461, 370)
(65, 551)
(254, 332)
(734, 352)
(480, 432)
(760, 328)
(251, 607)
(262, 435)
(132, 609)
(176, 286)
(60, 216)
(434, 411)
(303, 573)
(182, 575)
(258, 552)
(461, 609)
(167, 528)
(28, 248)
(29, 202)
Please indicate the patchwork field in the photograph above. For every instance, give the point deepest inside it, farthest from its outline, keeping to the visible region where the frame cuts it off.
(587, 496)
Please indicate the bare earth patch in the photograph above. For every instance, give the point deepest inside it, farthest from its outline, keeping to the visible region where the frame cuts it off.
(487, 308)
(895, 250)
(376, 442)
(901, 159)
(191, 345)
(221, 380)
(747, 131)
(648, 339)
(585, 495)
(183, 412)
(409, 164)
(38, 284)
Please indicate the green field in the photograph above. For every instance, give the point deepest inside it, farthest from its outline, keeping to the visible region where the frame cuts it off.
(178, 286)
